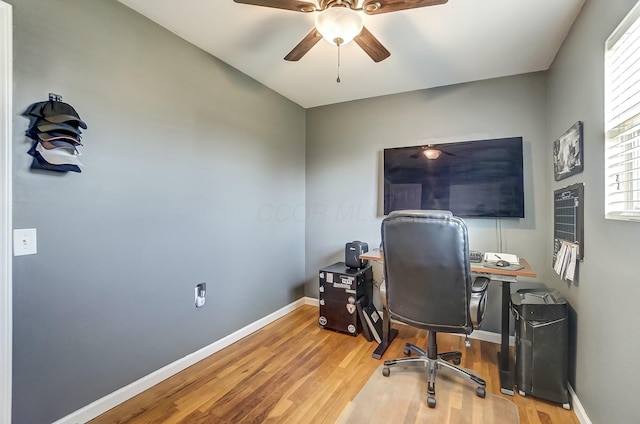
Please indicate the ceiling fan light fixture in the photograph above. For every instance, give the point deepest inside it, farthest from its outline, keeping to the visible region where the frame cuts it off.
(371, 7)
(339, 25)
(432, 153)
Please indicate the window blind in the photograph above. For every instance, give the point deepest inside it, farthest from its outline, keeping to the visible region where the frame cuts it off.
(622, 119)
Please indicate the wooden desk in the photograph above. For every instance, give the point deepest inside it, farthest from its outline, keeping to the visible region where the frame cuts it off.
(506, 277)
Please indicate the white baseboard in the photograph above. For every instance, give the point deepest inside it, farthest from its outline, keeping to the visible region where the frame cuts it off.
(581, 414)
(114, 399)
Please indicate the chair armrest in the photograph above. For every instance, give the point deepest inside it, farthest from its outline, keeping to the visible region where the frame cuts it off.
(479, 284)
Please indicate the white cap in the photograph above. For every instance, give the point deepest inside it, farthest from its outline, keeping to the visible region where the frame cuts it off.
(58, 156)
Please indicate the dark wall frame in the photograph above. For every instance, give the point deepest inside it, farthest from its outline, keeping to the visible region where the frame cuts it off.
(568, 153)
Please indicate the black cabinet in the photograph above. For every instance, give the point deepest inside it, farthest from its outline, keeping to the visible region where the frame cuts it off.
(340, 288)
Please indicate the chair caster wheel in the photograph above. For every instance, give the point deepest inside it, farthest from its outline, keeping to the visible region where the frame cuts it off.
(406, 351)
(456, 361)
(431, 402)
(566, 406)
(386, 371)
(481, 392)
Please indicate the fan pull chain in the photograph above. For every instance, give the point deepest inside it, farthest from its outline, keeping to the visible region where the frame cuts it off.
(338, 79)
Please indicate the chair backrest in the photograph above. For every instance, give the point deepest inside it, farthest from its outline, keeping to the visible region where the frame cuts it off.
(427, 270)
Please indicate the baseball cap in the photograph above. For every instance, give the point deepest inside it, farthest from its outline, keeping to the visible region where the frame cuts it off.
(39, 163)
(58, 156)
(56, 119)
(64, 137)
(57, 112)
(54, 112)
(59, 144)
(34, 109)
(44, 126)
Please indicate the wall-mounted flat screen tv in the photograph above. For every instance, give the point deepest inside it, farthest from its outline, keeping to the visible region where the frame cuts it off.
(472, 179)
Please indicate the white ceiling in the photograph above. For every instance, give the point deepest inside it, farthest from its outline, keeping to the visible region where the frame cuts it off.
(459, 41)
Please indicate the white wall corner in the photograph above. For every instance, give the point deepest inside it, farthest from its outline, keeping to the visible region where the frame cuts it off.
(311, 301)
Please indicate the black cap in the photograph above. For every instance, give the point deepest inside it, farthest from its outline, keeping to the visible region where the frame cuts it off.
(55, 112)
(44, 126)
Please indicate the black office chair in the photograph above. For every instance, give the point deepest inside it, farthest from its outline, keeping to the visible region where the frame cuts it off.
(429, 286)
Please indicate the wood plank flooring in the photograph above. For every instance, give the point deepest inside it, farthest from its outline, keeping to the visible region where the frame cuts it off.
(293, 371)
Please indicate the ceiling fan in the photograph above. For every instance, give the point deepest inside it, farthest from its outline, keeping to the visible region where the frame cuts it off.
(339, 23)
(430, 152)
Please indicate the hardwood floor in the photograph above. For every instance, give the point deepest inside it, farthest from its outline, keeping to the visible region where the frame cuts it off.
(293, 371)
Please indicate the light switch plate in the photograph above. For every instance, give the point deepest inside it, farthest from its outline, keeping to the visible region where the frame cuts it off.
(25, 242)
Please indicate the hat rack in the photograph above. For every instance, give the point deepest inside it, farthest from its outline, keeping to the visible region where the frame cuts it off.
(54, 131)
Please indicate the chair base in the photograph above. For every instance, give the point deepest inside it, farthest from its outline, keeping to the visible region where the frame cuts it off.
(432, 365)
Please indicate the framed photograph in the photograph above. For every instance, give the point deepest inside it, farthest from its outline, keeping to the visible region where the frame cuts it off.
(567, 153)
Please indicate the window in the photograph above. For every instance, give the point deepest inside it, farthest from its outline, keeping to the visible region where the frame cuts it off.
(622, 119)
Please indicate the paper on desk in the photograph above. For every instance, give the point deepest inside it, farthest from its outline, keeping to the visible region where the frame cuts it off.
(495, 257)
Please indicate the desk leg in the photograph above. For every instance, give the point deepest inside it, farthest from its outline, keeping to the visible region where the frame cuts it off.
(388, 334)
(506, 380)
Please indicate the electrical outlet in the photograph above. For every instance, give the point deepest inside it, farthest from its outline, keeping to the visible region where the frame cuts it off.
(200, 293)
(25, 242)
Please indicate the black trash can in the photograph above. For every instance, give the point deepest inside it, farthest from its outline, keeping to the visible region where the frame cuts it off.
(542, 344)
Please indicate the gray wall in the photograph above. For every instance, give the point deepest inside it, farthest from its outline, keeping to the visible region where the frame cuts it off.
(606, 296)
(344, 167)
(185, 158)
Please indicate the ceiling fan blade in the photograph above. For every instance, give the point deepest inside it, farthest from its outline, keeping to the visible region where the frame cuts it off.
(371, 45)
(375, 7)
(304, 46)
(295, 5)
